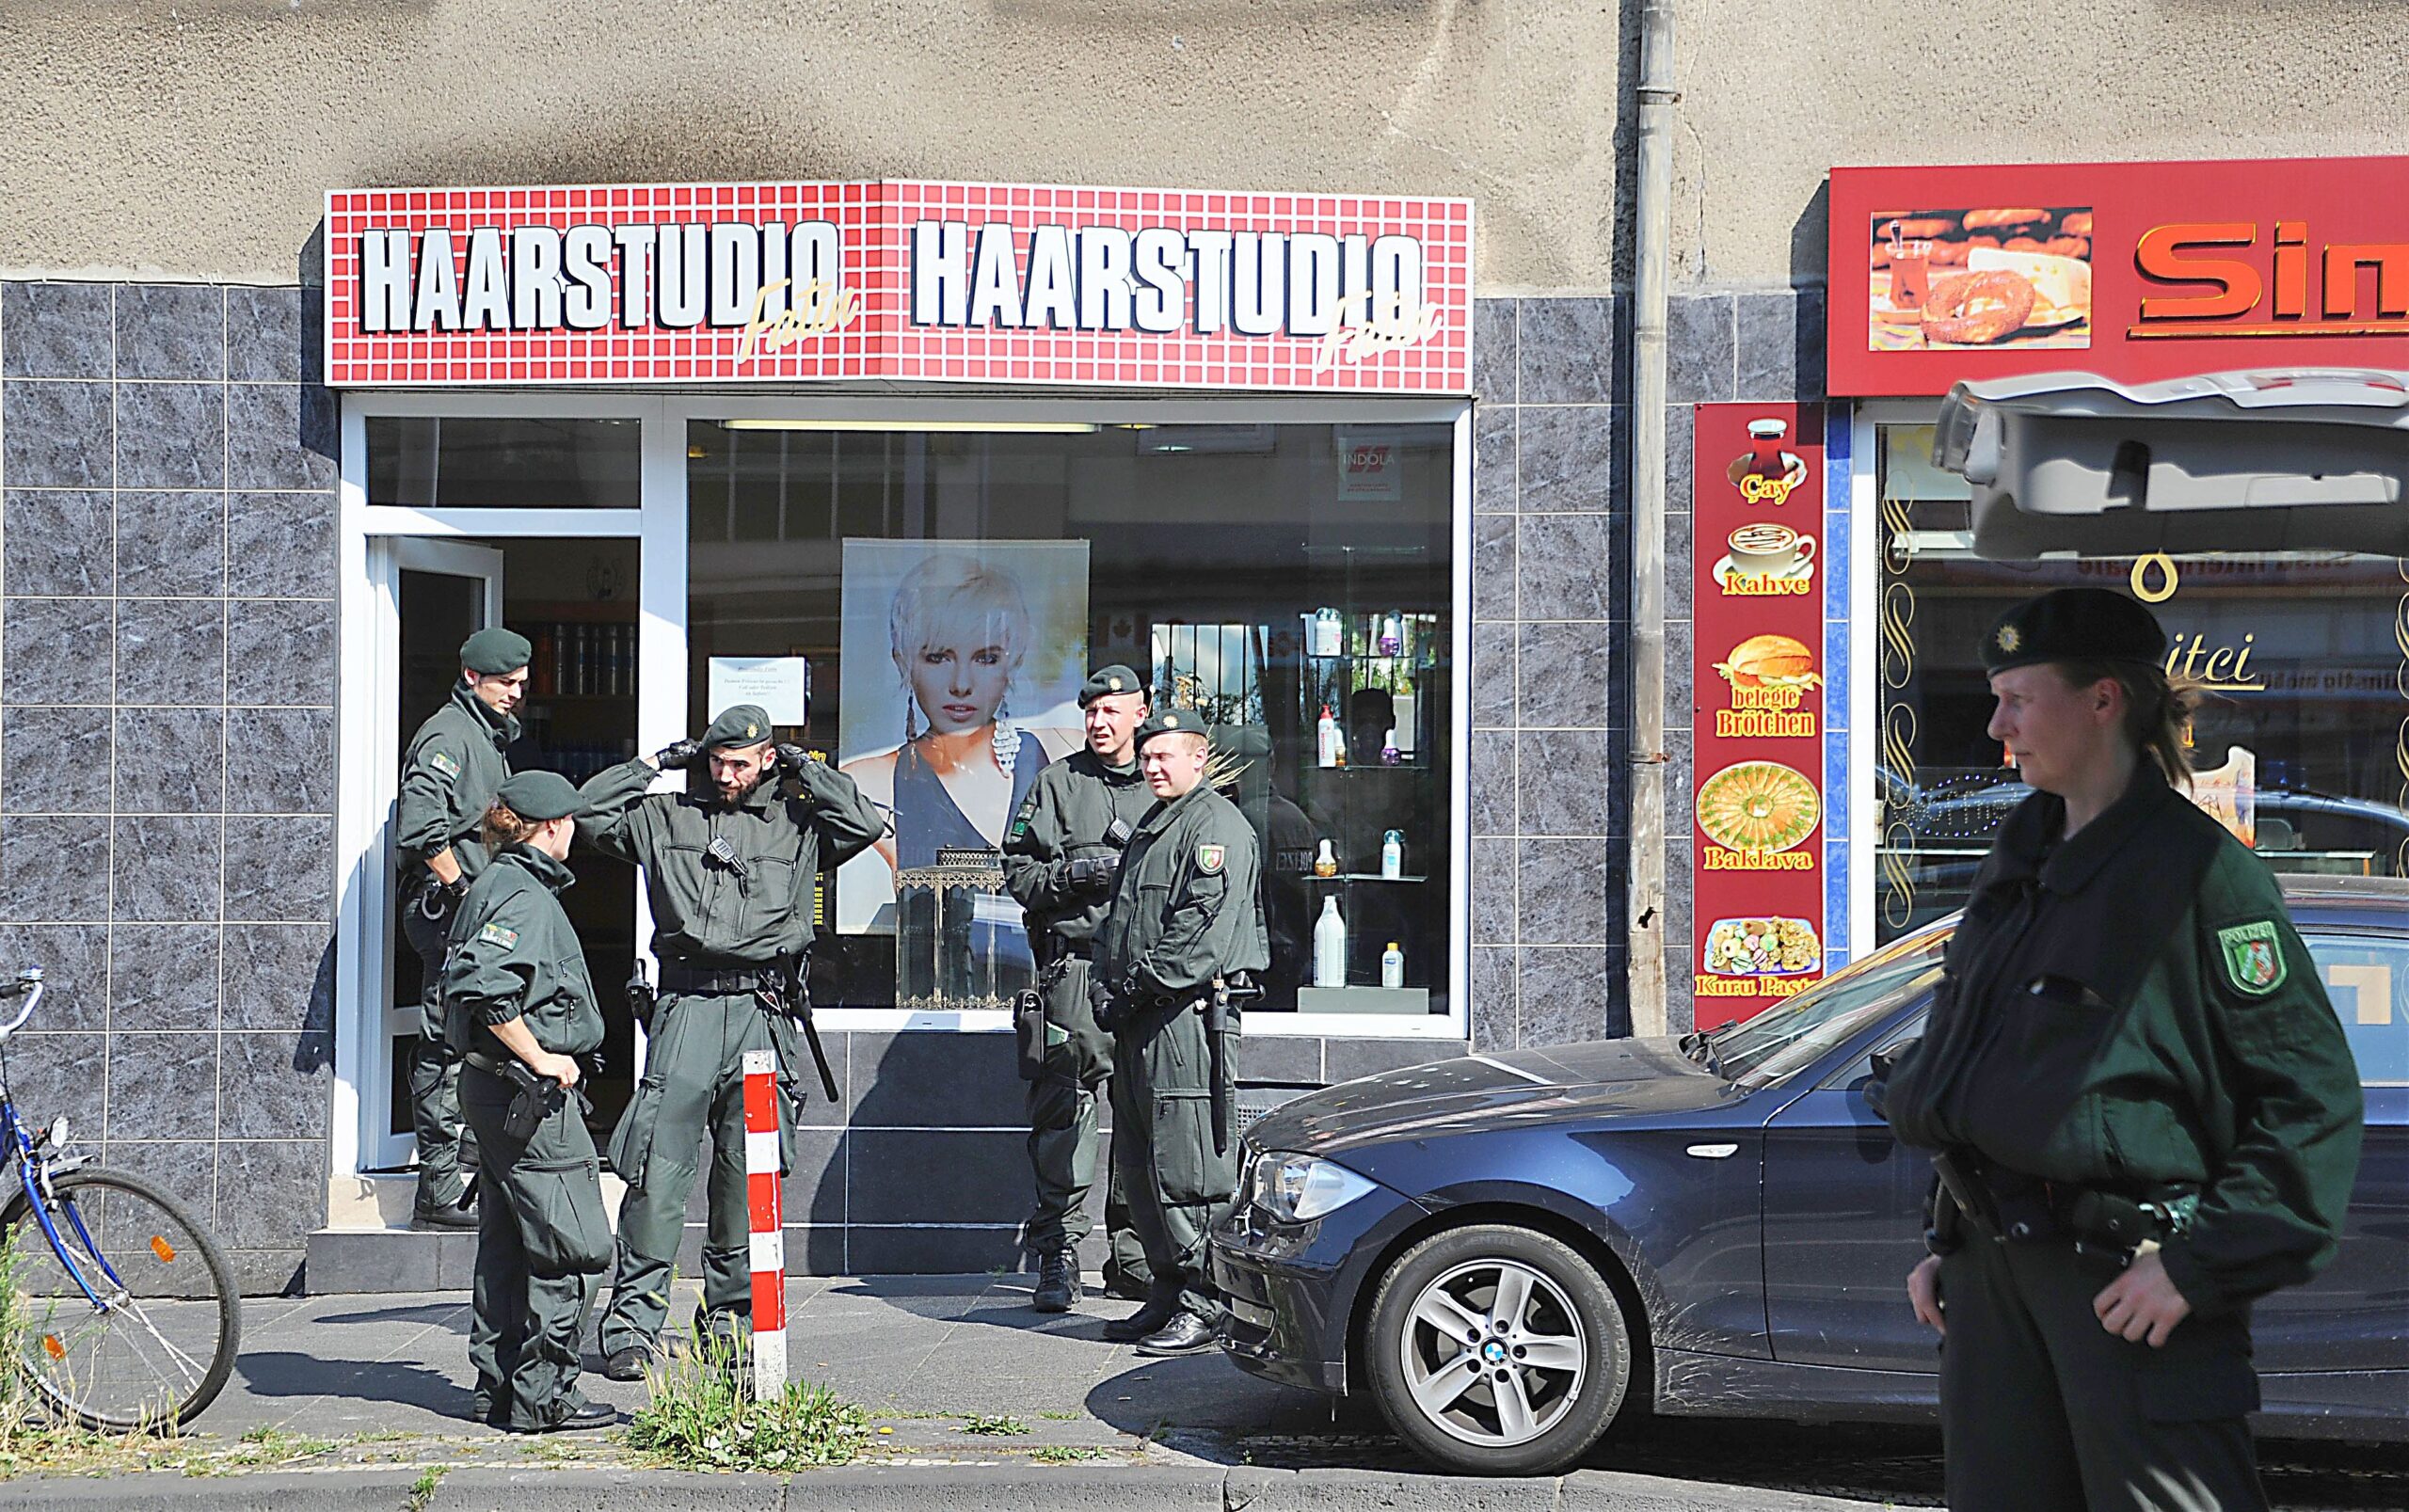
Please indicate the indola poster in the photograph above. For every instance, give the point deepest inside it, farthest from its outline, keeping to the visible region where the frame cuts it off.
(1757, 808)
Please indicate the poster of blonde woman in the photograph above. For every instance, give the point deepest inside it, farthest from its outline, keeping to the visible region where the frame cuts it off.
(960, 667)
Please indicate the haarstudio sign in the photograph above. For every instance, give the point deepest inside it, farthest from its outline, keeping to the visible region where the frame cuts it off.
(992, 283)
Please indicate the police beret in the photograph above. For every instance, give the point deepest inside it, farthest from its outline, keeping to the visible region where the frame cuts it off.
(1106, 681)
(1172, 721)
(538, 795)
(742, 725)
(493, 651)
(2073, 624)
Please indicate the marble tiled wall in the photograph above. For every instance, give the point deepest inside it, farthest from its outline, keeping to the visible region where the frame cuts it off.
(167, 738)
(1551, 604)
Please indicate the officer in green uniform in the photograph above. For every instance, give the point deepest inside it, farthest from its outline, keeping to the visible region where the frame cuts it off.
(730, 868)
(518, 1009)
(1186, 925)
(1060, 856)
(454, 765)
(2146, 1115)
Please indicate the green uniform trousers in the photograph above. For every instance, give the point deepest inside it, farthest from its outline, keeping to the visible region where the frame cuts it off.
(1179, 1185)
(1061, 1104)
(693, 1083)
(2044, 1410)
(444, 1145)
(542, 1241)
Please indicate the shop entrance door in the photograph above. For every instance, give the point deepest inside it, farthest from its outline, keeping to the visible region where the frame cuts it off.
(574, 597)
(444, 592)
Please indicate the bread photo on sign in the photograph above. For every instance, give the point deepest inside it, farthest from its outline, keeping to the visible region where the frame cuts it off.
(1770, 661)
(1993, 276)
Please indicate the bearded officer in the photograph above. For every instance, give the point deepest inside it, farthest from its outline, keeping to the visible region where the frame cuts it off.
(2146, 1113)
(730, 868)
(1060, 856)
(1186, 926)
(454, 765)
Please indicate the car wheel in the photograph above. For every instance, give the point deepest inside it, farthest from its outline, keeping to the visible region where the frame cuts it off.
(1497, 1350)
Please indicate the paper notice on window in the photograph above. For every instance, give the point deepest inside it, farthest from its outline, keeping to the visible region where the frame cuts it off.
(780, 684)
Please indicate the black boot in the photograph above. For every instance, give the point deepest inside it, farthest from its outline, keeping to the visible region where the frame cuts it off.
(460, 1213)
(1146, 1320)
(1058, 1283)
(1185, 1334)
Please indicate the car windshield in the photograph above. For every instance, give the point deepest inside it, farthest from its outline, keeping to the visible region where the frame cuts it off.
(1782, 1040)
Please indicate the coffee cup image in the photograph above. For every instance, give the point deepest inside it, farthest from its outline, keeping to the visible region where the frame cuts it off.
(1763, 548)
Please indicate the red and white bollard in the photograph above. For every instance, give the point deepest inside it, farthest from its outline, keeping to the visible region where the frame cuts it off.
(762, 1203)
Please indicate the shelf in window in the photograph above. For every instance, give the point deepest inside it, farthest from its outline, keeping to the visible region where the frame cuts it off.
(1368, 876)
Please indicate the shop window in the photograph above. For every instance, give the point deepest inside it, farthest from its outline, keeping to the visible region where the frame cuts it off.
(478, 462)
(1259, 574)
(2295, 657)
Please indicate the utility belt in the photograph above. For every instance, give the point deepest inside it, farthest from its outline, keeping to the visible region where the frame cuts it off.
(2010, 1208)
(689, 977)
(533, 1098)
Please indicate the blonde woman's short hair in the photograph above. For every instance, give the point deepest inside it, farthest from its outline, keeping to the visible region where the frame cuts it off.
(951, 592)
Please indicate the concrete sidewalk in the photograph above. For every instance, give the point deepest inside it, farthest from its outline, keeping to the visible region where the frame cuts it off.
(343, 1402)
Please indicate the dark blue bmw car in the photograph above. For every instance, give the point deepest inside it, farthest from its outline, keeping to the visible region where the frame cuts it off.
(1506, 1251)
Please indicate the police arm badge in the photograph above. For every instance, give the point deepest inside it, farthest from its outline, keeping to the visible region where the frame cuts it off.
(1210, 857)
(498, 934)
(442, 763)
(2253, 955)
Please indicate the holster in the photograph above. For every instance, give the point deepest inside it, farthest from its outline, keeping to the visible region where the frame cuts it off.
(1223, 1027)
(641, 1000)
(537, 1099)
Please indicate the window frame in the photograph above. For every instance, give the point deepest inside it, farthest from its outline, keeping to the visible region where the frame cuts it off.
(368, 624)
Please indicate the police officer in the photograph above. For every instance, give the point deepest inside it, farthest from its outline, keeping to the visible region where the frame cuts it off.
(2146, 1113)
(1060, 856)
(454, 765)
(519, 1010)
(1184, 926)
(730, 868)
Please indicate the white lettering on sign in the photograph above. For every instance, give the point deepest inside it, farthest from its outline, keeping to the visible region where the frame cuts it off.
(777, 282)
(1105, 278)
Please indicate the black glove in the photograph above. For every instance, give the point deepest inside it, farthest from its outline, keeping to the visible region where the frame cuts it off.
(1100, 1002)
(794, 758)
(1094, 874)
(677, 756)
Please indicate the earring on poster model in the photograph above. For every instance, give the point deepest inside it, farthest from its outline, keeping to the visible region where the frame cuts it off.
(1005, 739)
(909, 705)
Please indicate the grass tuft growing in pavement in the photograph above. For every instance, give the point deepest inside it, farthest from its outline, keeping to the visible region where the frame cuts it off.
(1064, 1454)
(701, 1417)
(1002, 1425)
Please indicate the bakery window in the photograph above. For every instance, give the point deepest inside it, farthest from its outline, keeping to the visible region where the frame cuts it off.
(2302, 681)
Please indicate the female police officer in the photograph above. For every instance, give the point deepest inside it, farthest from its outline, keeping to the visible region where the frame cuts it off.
(2146, 1113)
(519, 1009)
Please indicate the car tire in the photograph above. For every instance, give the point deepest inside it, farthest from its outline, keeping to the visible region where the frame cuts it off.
(1549, 1371)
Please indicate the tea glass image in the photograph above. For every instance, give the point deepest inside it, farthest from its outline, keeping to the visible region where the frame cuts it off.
(1910, 274)
(1763, 548)
(1765, 445)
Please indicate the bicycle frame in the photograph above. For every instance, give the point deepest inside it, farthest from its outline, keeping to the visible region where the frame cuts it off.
(33, 1169)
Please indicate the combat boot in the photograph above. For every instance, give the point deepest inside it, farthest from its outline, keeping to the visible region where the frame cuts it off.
(1058, 1283)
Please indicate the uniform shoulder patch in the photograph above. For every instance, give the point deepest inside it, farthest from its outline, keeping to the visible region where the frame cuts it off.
(1209, 858)
(442, 763)
(2253, 956)
(500, 936)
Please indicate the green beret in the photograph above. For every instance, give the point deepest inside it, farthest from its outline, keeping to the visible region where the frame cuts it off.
(742, 725)
(1106, 681)
(493, 651)
(1171, 721)
(2074, 625)
(538, 795)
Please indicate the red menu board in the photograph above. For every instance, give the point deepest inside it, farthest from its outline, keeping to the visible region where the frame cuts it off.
(1757, 812)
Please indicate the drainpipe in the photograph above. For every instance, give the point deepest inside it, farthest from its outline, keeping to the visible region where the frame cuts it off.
(1653, 204)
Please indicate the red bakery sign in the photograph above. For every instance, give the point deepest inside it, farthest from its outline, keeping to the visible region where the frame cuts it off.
(2135, 271)
(1757, 726)
(967, 282)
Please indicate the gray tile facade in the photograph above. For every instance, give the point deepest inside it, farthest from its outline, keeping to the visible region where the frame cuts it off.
(1550, 688)
(164, 846)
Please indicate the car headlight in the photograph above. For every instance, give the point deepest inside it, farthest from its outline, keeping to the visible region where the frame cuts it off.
(1300, 1188)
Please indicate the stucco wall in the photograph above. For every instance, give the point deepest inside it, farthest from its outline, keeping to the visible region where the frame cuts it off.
(197, 140)
(194, 141)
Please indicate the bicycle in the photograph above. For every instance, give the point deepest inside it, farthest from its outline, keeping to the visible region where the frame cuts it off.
(125, 1317)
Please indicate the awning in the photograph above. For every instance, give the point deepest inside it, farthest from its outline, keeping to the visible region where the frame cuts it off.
(2291, 459)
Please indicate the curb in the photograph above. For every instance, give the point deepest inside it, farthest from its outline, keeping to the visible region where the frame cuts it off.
(906, 1488)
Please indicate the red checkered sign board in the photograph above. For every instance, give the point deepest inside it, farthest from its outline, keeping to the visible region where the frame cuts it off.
(975, 283)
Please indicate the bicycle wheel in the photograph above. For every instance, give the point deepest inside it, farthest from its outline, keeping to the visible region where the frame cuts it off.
(158, 1344)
